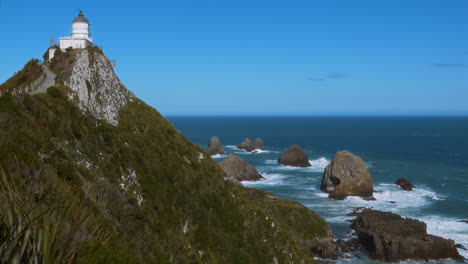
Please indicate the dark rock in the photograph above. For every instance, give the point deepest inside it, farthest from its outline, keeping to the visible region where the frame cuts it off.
(389, 237)
(405, 184)
(348, 245)
(460, 246)
(356, 211)
(295, 156)
(347, 175)
(239, 169)
(246, 145)
(463, 221)
(250, 146)
(215, 147)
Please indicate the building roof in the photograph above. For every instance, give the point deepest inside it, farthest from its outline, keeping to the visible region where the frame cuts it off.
(81, 18)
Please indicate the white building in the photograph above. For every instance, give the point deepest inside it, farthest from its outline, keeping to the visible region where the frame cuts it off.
(79, 36)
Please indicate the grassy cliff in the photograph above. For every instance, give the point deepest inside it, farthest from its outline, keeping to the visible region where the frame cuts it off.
(135, 191)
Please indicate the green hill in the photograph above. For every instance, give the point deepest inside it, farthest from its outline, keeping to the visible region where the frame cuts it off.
(91, 174)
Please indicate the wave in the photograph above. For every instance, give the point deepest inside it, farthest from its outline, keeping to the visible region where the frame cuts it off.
(339, 219)
(218, 156)
(255, 151)
(318, 165)
(270, 179)
(389, 197)
(448, 228)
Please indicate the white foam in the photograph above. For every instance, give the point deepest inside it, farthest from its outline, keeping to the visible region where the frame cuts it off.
(218, 156)
(270, 179)
(318, 165)
(339, 219)
(389, 197)
(322, 194)
(448, 228)
(255, 151)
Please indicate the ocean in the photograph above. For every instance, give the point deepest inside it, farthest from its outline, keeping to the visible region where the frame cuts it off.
(432, 152)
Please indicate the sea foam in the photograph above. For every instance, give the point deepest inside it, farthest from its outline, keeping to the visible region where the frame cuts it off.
(318, 165)
(270, 179)
(218, 156)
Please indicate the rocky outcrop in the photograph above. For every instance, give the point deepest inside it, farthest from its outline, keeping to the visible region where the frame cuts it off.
(389, 237)
(215, 147)
(258, 144)
(250, 146)
(239, 169)
(347, 175)
(404, 184)
(96, 86)
(295, 156)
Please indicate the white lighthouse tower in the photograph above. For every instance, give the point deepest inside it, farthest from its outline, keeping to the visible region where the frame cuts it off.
(79, 36)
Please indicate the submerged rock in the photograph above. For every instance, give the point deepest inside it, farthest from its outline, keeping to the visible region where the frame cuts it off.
(215, 147)
(405, 184)
(295, 156)
(239, 169)
(347, 175)
(460, 246)
(250, 146)
(389, 237)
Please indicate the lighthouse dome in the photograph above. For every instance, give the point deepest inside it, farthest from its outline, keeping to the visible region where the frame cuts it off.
(81, 18)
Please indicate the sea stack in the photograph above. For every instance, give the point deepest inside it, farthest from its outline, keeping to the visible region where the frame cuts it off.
(250, 146)
(295, 156)
(389, 237)
(239, 169)
(215, 147)
(347, 175)
(404, 184)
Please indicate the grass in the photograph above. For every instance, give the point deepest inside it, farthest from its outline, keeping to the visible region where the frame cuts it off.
(32, 230)
(31, 71)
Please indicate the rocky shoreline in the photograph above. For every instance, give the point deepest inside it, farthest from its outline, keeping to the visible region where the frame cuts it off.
(389, 237)
(380, 235)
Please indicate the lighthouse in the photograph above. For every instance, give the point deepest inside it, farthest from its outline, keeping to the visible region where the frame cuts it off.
(80, 35)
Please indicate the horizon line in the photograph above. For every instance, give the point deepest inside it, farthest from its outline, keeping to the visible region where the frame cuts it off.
(313, 115)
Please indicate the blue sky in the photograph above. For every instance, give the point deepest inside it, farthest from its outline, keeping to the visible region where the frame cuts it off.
(266, 57)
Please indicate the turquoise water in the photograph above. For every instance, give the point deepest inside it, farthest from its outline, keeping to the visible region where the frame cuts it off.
(431, 152)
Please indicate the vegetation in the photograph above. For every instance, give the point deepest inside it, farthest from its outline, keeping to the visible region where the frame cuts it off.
(136, 192)
(30, 73)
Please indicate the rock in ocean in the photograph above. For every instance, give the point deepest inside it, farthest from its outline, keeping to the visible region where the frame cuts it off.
(295, 156)
(250, 146)
(215, 147)
(347, 175)
(239, 169)
(389, 237)
(405, 184)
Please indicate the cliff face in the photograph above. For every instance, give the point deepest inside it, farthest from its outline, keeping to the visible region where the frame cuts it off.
(96, 86)
(137, 190)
